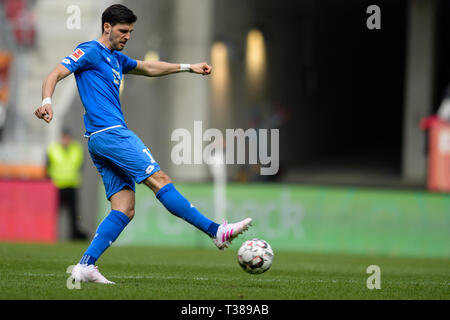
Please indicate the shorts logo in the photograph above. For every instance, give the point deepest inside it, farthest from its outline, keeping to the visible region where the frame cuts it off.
(77, 54)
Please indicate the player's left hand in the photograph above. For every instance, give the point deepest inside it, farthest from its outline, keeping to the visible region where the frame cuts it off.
(201, 68)
(45, 112)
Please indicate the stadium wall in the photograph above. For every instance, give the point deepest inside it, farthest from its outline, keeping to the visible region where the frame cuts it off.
(28, 211)
(304, 218)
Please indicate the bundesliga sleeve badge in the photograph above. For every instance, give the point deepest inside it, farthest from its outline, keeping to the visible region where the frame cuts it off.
(77, 54)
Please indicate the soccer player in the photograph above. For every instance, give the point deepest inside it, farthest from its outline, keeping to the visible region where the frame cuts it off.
(120, 157)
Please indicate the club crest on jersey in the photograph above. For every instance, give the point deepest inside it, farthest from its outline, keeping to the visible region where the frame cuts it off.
(77, 54)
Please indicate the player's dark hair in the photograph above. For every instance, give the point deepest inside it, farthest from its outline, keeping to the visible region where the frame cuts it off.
(117, 13)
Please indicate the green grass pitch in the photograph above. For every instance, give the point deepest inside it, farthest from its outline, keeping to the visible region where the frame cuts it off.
(37, 271)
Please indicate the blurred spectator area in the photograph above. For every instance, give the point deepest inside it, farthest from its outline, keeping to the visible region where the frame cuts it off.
(27, 27)
(5, 64)
(21, 20)
(18, 31)
(348, 109)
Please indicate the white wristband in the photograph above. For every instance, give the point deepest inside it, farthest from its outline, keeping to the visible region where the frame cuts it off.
(185, 67)
(47, 100)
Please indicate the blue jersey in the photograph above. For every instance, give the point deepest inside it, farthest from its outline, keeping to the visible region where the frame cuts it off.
(98, 73)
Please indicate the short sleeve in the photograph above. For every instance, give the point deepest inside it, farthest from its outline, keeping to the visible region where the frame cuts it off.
(84, 57)
(127, 63)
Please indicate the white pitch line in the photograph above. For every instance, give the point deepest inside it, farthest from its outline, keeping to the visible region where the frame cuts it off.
(28, 274)
(115, 276)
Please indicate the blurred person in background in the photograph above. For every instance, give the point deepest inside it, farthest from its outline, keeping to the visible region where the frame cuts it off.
(120, 156)
(64, 164)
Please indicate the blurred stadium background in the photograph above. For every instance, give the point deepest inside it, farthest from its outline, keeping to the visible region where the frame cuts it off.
(355, 164)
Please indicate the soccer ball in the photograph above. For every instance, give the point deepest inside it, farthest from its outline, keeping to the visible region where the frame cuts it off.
(255, 256)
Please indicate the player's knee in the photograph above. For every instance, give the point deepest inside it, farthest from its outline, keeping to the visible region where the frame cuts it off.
(129, 212)
(126, 208)
(164, 179)
(157, 180)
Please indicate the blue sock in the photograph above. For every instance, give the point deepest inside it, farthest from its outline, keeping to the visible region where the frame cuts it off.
(107, 232)
(182, 208)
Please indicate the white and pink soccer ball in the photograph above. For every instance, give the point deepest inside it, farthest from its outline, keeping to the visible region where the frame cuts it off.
(255, 256)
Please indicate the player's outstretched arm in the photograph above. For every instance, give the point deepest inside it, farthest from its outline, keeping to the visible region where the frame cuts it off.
(45, 111)
(161, 68)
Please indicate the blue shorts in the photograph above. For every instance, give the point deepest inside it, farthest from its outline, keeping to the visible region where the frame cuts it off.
(121, 158)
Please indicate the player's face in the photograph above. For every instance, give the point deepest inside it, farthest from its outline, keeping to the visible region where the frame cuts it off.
(119, 35)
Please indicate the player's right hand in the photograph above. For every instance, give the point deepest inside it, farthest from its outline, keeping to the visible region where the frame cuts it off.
(45, 112)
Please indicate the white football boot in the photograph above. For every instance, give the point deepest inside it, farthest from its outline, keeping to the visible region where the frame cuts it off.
(227, 232)
(88, 273)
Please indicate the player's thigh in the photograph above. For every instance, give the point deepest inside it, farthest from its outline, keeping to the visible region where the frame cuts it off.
(114, 180)
(123, 148)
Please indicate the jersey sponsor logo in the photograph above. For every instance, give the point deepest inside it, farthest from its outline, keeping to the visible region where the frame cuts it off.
(66, 61)
(77, 54)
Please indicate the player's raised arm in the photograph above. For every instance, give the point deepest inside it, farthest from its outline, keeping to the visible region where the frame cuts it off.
(45, 111)
(161, 68)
